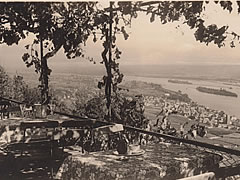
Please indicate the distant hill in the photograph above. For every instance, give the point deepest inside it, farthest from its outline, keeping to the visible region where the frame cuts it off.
(216, 72)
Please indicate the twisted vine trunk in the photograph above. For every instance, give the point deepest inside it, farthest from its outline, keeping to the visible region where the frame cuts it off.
(107, 44)
(108, 62)
(43, 76)
(109, 73)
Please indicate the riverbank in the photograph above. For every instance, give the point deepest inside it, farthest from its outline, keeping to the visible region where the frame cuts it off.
(153, 90)
(230, 105)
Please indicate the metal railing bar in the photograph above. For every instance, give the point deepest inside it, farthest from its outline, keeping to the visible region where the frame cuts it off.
(11, 100)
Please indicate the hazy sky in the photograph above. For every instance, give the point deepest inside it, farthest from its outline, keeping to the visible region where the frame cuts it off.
(151, 43)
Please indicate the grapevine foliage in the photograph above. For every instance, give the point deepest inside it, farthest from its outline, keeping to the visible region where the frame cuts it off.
(67, 26)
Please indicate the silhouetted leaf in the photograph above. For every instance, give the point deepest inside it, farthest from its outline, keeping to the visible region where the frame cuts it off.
(25, 57)
(152, 17)
(27, 46)
(36, 53)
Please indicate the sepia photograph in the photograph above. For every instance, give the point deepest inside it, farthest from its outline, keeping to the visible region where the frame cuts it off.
(125, 90)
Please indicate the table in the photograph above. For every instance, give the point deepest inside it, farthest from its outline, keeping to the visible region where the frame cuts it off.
(160, 161)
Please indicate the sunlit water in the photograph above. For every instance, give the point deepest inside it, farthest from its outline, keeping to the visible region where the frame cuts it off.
(230, 105)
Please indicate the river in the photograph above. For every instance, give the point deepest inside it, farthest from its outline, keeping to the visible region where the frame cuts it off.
(230, 105)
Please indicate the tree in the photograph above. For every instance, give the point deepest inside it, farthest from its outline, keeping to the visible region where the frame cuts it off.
(55, 26)
(166, 11)
(191, 13)
(18, 88)
(21, 91)
(31, 96)
(4, 82)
